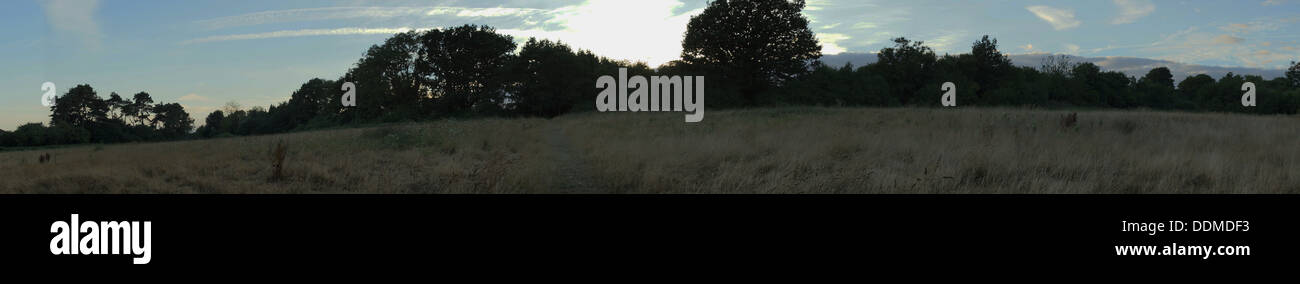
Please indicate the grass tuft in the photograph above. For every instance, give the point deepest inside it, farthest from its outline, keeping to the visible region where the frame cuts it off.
(277, 161)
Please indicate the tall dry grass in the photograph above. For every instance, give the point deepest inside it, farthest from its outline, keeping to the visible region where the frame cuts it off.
(782, 150)
(866, 150)
(441, 157)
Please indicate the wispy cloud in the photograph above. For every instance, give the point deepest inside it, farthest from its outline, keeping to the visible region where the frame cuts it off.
(345, 13)
(74, 18)
(1273, 2)
(193, 98)
(1132, 10)
(299, 33)
(1060, 19)
(1196, 45)
(1072, 48)
(869, 24)
(865, 25)
(1227, 39)
(1237, 28)
(947, 42)
(645, 30)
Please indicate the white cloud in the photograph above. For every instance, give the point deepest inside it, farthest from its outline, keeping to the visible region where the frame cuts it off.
(1060, 19)
(1273, 2)
(74, 18)
(1028, 47)
(1132, 10)
(652, 34)
(300, 33)
(830, 42)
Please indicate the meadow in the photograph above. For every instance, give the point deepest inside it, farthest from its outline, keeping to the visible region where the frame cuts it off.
(770, 150)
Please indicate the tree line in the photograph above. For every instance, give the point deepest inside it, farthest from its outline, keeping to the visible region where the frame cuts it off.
(753, 52)
(910, 74)
(82, 116)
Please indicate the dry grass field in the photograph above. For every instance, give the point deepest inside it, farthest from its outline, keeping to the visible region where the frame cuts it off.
(778, 150)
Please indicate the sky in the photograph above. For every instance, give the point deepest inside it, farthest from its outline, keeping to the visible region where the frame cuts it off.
(204, 54)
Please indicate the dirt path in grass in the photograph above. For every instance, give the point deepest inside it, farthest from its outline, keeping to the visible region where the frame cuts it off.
(575, 173)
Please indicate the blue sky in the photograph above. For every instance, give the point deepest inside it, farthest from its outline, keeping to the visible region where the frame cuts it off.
(204, 54)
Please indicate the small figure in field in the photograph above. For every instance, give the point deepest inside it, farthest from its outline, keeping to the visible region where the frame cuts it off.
(1070, 120)
(44, 158)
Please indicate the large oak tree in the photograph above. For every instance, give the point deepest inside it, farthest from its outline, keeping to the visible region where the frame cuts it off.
(754, 44)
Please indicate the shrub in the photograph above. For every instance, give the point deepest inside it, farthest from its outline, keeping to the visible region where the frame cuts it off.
(1070, 120)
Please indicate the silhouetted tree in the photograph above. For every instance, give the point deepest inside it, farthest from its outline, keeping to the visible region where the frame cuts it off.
(1271, 96)
(907, 66)
(174, 120)
(117, 106)
(388, 84)
(1117, 89)
(753, 44)
(36, 134)
(312, 100)
(843, 86)
(1056, 65)
(1089, 87)
(1157, 88)
(31, 134)
(1190, 90)
(547, 79)
(958, 69)
(468, 64)
(141, 109)
(1226, 94)
(212, 124)
(990, 64)
(1159, 77)
(1293, 74)
(256, 121)
(80, 107)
